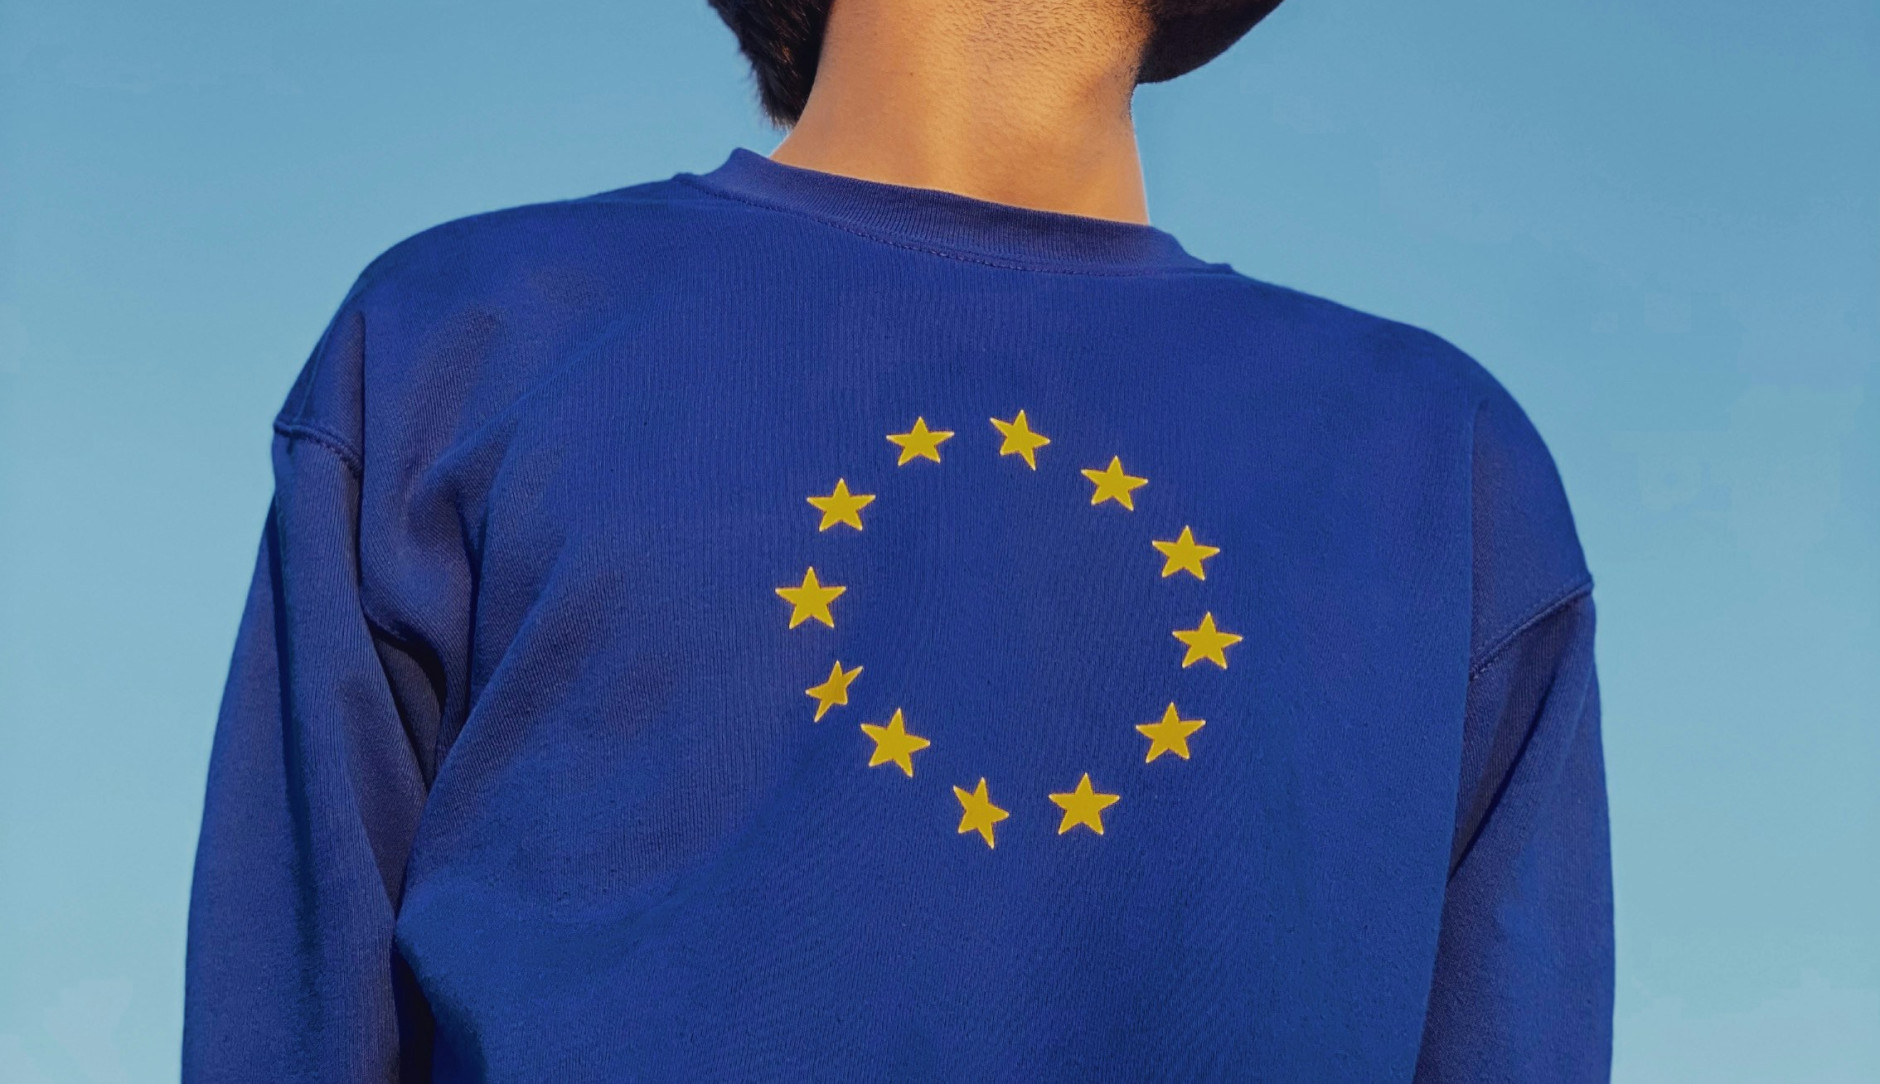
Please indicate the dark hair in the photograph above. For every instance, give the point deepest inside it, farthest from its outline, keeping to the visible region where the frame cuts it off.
(1185, 34)
(783, 41)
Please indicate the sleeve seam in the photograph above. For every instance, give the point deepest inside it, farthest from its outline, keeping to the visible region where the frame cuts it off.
(327, 439)
(1548, 609)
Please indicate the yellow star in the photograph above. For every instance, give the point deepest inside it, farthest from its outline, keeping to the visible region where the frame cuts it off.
(977, 813)
(893, 744)
(835, 690)
(1184, 554)
(1083, 806)
(810, 600)
(1206, 642)
(919, 442)
(1020, 440)
(1113, 485)
(1170, 735)
(841, 506)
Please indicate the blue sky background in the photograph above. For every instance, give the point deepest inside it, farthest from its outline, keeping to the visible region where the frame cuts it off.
(1657, 221)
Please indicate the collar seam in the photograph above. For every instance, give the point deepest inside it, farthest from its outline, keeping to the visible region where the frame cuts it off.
(962, 255)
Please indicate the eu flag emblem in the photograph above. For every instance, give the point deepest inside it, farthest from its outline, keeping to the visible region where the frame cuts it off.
(897, 741)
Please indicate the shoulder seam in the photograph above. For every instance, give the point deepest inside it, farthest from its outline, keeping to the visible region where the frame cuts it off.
(1499, 644)
(327, 439)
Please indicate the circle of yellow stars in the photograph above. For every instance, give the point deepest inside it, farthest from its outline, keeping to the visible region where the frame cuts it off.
(893, 744)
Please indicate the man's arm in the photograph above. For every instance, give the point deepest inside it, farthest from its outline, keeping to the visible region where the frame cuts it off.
(1523, 984)
(315, 787)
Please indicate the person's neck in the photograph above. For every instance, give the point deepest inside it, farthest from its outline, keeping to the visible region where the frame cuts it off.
(1022, 102)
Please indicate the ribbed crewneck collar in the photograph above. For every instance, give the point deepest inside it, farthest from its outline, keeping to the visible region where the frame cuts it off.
(950, 225)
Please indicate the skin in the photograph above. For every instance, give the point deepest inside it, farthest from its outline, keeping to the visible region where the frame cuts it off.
(1021, 102)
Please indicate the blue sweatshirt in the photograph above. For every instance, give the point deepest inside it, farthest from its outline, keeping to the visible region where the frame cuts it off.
(772, 626)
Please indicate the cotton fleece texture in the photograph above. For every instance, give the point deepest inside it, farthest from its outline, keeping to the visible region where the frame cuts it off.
(1230, 715)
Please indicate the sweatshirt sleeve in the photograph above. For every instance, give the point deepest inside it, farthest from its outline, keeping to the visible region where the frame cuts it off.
(1523, 981)
(316, 781)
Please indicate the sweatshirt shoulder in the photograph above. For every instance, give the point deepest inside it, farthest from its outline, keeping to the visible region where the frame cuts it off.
(466, 314)
(1527, 556)
(487, 250)
(1399, 366)
(1342, 343)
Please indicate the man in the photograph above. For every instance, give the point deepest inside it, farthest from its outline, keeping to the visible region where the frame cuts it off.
(885, 612)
